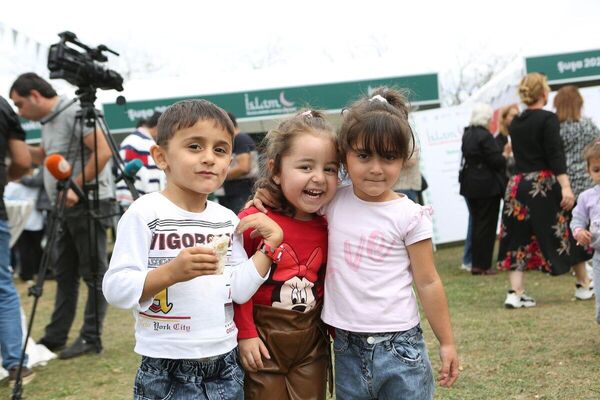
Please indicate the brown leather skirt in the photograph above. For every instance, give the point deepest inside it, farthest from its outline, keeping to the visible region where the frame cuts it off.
(300, 363)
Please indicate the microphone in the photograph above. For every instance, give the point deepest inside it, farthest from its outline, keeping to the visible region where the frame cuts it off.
(58, 167)
(130, 169)
(61, 170)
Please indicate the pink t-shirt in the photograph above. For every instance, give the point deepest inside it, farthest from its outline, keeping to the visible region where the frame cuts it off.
(368, 285)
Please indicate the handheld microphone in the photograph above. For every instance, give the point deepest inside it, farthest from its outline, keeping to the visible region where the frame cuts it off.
(61, 170)
(58, 167)
(131, 169)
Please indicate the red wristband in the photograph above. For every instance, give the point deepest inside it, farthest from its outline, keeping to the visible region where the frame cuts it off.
(274, 253)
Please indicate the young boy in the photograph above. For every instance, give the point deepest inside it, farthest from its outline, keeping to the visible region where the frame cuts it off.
(586, 222)
(163, 266)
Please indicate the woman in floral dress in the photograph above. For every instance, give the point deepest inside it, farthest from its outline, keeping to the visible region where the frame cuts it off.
(535, 230)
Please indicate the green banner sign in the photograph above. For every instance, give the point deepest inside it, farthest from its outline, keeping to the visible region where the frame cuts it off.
(568, 67)
(33, 130)
(423, 90)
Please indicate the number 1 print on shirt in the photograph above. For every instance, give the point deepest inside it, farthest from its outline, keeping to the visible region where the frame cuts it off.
(161, 302)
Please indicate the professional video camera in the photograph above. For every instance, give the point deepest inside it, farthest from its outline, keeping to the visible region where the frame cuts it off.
(82, 69)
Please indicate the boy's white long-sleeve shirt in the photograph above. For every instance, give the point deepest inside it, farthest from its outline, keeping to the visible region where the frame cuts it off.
(188, 320)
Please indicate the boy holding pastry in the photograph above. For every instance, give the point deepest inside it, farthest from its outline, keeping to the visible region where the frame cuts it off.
(166, 262)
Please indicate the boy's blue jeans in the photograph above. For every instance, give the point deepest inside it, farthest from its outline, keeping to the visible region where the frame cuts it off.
(382, 366)
(214, 378)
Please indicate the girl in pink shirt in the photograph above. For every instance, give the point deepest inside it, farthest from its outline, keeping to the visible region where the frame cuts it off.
(379, 245)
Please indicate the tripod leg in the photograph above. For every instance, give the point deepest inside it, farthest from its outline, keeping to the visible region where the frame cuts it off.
(37, 289)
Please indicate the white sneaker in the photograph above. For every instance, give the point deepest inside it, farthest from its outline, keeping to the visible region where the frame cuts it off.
(584, 293)
(513, 300)
(465, 267)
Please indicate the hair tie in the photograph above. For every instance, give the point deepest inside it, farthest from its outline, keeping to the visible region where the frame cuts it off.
(379, 97)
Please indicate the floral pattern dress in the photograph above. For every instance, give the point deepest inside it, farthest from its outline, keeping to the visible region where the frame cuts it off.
(538, 226)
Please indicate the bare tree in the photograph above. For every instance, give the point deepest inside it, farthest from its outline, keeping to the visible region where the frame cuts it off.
(470, 73)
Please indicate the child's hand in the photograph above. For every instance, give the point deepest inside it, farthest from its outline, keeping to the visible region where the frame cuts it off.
(263, 226)
(250, 354)
(192, 262)
(584, 237)
(263, 198)
(449, 369)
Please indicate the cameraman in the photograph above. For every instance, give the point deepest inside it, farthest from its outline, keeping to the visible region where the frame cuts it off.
(37, 101)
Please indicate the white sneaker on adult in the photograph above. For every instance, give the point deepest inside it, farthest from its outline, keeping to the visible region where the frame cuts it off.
(514, 300)
(584, 292)
(465, 267)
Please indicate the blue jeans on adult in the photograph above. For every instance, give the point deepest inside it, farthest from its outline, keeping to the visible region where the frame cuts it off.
(219, 377)
(467, 255)
(11, 334)
(382, 366)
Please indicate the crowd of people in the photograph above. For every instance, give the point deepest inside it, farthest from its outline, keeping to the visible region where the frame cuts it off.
(280, 277)
(536, 162)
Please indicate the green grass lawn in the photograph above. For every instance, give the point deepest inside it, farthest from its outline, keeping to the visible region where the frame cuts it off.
(551, 351)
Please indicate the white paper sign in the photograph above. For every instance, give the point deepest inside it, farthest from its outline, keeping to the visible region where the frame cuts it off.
(440, 135)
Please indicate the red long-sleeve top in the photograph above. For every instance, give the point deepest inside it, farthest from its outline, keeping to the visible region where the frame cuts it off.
(296, 282)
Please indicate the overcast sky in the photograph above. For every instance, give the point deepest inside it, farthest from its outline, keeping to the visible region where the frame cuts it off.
(220, 46)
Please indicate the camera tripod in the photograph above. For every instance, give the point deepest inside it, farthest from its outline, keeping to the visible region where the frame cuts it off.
(87, 118)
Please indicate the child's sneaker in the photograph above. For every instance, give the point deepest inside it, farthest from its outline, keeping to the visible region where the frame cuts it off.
(514, 300)
(584, 292)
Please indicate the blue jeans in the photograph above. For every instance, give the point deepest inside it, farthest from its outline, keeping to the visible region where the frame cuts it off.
(215, 378)
(11, 334)
(382, 366)
(467, 254)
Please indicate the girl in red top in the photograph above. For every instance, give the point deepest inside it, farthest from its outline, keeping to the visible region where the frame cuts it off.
(283, 344)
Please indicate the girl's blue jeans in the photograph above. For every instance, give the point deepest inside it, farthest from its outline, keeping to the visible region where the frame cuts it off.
(382, 366)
